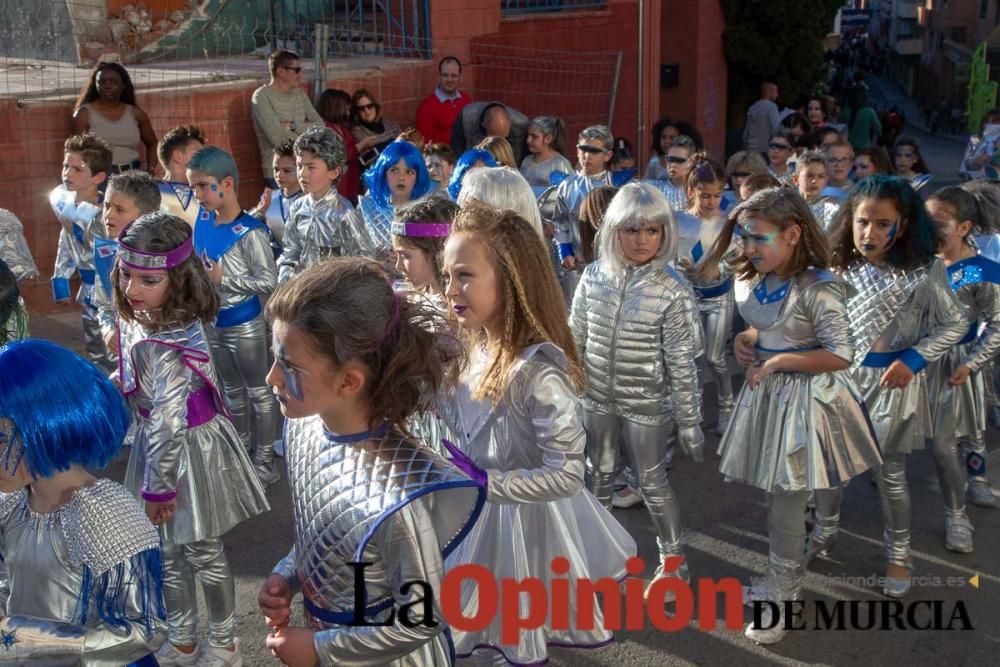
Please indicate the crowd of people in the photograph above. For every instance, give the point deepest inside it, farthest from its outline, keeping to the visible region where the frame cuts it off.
(462, 350)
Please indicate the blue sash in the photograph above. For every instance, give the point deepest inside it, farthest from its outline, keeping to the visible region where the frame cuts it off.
(970, 335)
(148, 661)
(239, 314)
(213, 241)
(978, 269)
(105, 252)
(713, 292)
(344, 617)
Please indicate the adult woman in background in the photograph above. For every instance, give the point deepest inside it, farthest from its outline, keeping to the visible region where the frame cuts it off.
(371, 131)
(106, 107)
(335, 109)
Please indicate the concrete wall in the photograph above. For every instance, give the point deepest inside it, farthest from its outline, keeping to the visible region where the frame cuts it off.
(37, 30)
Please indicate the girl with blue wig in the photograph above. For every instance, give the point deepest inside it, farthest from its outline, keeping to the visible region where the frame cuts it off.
(81, 580)
(903, 316)
(470, 159)
(398, 176)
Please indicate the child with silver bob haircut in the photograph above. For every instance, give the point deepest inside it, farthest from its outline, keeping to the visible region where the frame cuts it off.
(503, 188)
(642, 381)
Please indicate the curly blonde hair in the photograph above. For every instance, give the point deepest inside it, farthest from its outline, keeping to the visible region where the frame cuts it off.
(532, 309)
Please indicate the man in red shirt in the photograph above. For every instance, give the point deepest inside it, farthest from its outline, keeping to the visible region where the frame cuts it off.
(437, 113)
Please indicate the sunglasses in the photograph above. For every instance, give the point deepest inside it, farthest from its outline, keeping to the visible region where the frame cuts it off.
(740, 174)
(673, 159)
(297, 70)
(585, 148)
(367, 107)
(779, 147)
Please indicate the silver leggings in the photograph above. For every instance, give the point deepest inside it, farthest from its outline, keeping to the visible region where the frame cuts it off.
(945, 451)
(243, 360)
(786, 552)
(207, 561)
(717, 321)
(646, 450)
(93, 341)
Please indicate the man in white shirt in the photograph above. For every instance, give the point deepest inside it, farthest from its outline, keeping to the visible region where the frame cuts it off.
(762, 120)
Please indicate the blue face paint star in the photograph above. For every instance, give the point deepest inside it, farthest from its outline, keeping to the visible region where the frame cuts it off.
(8, 639)
(891, 236)
(763, 239)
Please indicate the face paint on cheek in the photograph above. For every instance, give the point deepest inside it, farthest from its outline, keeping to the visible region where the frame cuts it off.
(292, 378)
(891, 236)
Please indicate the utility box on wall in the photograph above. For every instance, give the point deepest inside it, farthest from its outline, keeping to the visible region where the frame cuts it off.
(669, 75)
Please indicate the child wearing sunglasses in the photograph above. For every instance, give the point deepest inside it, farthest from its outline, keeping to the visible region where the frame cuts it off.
(678, 158)
(779, 149)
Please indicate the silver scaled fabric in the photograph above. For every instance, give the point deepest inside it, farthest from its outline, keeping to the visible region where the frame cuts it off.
(893, 310)
(825, 211)
(277, 214)
(676, 194)
(14, 249)
(75, 253)
(379, 498)
(178, 200)
(242, 353)
(378, 223)
(960, 412)
(532, 446)
(318, 229)
(799, 431)
(206, 465)
(101, 536)
(696, 239)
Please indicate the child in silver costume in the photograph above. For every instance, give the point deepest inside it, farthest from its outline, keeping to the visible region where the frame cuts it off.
(956, 382)
(545, 165)
(353, 362)
(13, 314)
(14, 249)
(698, 229)
(322, 222)
(174, 152)
(673, 180)
(636, 326)
(237, 249)
(811, 176)
(77, 205)
(903, 316)
(800, 425)
(81, 582)
(187, 462)
(275, 205)
(398, 176)
(517, 417)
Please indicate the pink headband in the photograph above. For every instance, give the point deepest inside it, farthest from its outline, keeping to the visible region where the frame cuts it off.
(144, 259)
(427, 229)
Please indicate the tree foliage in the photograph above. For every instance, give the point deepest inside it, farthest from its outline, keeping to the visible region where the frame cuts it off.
(774, 40)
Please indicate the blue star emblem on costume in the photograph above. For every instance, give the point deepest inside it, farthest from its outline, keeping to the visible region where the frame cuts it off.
(8, 639)
(697, 252)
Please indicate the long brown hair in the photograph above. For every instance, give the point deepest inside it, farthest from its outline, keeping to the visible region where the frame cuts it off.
(532, 309)
(592, 210)
(348, 309)
(191, 295)
(782, 207)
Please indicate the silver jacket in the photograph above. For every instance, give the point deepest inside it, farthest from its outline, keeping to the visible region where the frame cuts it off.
(278, 211)
(248, 269)
(319, 229)
(981, 297)
(14, 248)
(637, 333)
(98, 547)
(178, 200)
(377, 498)
(76, 248)
(569, 197)
(895, 310)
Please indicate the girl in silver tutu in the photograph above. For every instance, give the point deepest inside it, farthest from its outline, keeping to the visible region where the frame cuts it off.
(517, 417)
(800, 425)
(903, 316)
(956, 382)
(188, 464)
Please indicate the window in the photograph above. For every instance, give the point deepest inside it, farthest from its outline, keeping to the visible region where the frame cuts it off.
(514, 7)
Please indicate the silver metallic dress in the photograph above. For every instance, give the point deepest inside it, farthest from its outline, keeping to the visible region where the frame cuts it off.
(531, 445)
(908, 315)
(80, 585)
(798, 431)
(184, 443)
(539, 174)
(825, 210)
(320, 229)
(277, 213)
(382, 499)
(377, 222)
(14, 249)
(675, 194)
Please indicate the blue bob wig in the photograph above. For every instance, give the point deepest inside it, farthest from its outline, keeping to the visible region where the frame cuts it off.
(215, 162)
(65, 411)
(468, 159)
(375, 179)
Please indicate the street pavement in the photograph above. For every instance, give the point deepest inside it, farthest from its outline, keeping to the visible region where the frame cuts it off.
(727, 537)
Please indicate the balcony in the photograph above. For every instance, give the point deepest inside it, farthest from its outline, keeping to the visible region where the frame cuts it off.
(908, 45)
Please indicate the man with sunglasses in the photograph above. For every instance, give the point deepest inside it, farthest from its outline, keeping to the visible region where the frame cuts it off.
(281, 110)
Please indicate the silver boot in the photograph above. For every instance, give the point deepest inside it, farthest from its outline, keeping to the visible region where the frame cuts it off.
(958, 531)
(980, 493)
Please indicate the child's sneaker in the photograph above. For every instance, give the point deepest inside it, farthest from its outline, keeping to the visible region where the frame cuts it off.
(168, 656)
(212, 656)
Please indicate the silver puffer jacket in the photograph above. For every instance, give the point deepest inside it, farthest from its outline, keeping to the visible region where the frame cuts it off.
(638, 333)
